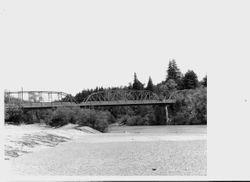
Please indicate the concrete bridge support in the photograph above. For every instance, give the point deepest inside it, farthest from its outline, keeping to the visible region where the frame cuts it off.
(166, 113)
(162, 115)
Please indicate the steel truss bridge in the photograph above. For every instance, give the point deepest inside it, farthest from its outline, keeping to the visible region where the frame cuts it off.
(51, 99)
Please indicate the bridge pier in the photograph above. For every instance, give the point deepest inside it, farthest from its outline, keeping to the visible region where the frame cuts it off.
(166, 113)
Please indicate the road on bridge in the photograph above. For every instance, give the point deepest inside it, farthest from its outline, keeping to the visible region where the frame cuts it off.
(144, 150)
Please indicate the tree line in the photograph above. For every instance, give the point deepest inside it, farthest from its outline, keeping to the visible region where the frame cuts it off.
(175, 80)
(190, 106)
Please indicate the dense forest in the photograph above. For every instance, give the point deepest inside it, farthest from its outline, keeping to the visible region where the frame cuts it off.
(190, 107)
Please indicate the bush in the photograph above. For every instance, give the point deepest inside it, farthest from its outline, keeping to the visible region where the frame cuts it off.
(132, 121)
(179, 119)
(201, 105)
(102, 121)
(86, 117)
(120, 111)
(37, 116)
(13, 115)
(141, 115)
(44, 116)
(111, 118)
(135, 120)
(74, 114)
(190, 107)
(123, 119)
(30, 117)
(149, 119)
(98, 120)
(60, 117)
(140, 120)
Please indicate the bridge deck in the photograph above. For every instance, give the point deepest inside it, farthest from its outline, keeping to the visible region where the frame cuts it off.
(40, 105)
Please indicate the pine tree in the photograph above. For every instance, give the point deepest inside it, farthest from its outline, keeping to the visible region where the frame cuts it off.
(137, 85)
(204, 81)
(190, 80)
(174, 73)
(150, 85)
(130, 86)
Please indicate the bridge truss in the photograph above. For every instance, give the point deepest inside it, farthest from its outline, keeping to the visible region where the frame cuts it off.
(47, 99)
(50, 99)
(30, 98)
(124, 97)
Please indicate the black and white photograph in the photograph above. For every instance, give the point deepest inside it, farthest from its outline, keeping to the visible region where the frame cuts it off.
(117, 90)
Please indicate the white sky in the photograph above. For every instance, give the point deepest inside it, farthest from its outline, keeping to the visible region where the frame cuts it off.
(71, 45)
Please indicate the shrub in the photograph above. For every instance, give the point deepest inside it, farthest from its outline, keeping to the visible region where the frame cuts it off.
(111, 118)
(179, 119)
(60, 117)
(190, 107)
(123, 119)
(13, 115)
(98, 120)
(135, 120)
(140, 120)
(44, 116)
(86, 117)
(119, 111)
(131, 121)
(37, 116)
(149, 119)
(74, 114)
(30, 117)
(101, 122)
